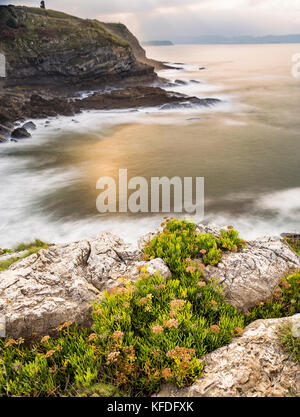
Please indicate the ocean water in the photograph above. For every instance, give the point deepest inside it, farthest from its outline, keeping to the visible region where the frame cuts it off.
(247, 148)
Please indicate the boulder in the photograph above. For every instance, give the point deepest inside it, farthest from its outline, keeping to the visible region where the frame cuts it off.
(253, 365)
(250, 276)
(180, 82)
(59, 284)
(29, 126)
(4, 131)
(20, 133)
(153, 267)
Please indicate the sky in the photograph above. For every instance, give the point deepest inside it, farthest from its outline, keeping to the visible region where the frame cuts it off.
(175, 19)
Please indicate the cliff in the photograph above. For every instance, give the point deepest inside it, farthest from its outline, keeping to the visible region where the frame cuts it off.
(46, 46)
(121, 31)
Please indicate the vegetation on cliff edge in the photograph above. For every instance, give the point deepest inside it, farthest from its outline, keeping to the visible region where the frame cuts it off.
(29, 30)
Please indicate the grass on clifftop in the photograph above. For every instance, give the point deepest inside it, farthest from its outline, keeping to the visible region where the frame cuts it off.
(32, 31)
(294, 244)
(290, 338)
(28, 248)
(145, 333)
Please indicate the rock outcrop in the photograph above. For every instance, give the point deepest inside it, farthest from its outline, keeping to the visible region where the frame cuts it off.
(20, 133)
(45, 47)
(121, 31)
(46, 104)
(253, 365)
(59, 284)
(250, 275)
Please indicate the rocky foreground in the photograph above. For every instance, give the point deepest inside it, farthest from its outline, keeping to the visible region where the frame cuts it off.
(59, 284)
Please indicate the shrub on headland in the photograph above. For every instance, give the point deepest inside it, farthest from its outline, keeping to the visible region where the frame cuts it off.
(27, 249)
(145, 333)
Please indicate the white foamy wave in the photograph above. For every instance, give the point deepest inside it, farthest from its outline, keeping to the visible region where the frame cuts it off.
(285, 203)
(256, 226)
(232, 122)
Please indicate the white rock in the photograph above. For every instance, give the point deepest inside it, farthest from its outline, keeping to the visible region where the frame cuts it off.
(59, 284)
(251, 275)
(253, 365)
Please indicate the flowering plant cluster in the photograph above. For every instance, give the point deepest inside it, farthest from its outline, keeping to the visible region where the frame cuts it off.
(180, 240)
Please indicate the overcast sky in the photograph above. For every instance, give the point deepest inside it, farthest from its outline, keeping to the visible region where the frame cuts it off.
(171, 19)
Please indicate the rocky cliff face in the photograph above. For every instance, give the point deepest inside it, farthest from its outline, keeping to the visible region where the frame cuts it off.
(121, 31)
(45, 46)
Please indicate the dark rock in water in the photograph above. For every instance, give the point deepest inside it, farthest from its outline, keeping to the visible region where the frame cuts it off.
(207, 102)
(195, 82)
(190, 102)
(20, 133)
(41, 107)
(4, 131)
(29, 126)
(180, 82)
(3, 139)
(292, 236)
(201, 68)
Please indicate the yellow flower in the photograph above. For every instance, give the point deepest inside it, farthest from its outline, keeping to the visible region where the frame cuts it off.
(117, 335)
(45, 338)
(64, 326)
(238, 331)
(112, 357)
(177, 304)
(10, 343)
(215, 328)
(157, 329)
(190, 269)
(92, 336)
(50, 353)
(166, 374)
(156, 353)
(161, 287)
(143, 301)
(171, 324)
